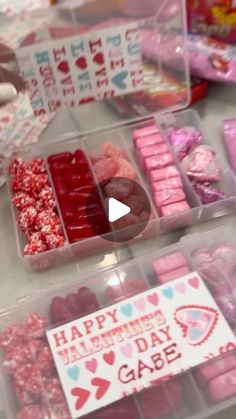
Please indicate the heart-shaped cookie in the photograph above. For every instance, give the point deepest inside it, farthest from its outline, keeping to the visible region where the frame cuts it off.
(196, 322)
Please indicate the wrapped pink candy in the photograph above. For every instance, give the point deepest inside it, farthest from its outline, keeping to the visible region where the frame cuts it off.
(182, 139)
(202, 165)
(208, 193)
(209, 58)
(212, 59)
(230, 141)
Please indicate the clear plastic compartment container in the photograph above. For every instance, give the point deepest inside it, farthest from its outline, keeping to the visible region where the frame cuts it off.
(189, 395)
(91, 145)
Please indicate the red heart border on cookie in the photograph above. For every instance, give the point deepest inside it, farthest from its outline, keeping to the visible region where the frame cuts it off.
(186, 326)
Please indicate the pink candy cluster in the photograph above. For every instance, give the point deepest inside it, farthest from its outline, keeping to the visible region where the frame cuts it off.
(157, 161)
(33, 198)
(112, 162)
(199, 161)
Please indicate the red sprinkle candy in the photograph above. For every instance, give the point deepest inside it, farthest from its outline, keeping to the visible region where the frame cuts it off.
(33, 411)
(36, 325)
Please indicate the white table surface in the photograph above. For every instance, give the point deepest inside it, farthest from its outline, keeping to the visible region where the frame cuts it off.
(16, 282)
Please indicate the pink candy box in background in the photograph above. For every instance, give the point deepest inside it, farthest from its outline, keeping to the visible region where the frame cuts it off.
(213, 18)
(31, 385)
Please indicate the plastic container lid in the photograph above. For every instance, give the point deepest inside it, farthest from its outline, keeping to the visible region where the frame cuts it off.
(89, 53)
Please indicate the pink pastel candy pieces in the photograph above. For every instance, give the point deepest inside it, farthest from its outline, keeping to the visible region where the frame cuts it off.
(177, 273)
(214, 368)
(169, 263)
(147, 141)
(165, 173)
(168, 196)
(223, 386)
(173, 209)
(146, 131)
(158, 162)
(173, 182)
(152, 150)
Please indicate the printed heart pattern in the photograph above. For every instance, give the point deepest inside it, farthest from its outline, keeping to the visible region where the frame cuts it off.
(81, 63)
(194, 282)
(119, 80)
(99, 58)
(63, 67)
(102, 386)
(73, 373)
(181, 288)
(82, 396)
(196, 322)
(91, 365)
(127, 350)
(127, 310)
(168, 293)
(140, 304)
(153, 299)
(109, 357)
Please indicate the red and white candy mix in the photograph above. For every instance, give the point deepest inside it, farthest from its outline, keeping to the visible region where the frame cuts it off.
(34, 200)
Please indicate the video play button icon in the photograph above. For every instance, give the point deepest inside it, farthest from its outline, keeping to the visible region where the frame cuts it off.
(117, 210)
(124, 210)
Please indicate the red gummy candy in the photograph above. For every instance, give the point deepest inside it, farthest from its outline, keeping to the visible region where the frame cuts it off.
(68, 212)
(88, 300)
(106, 169)
(64, 157)
(27, 377)
(45, 362)
(59, 185)
(22, 200)
(125, 409)
(79, 232)
(33, 411)
(16, 356)
(155, 404)
(36, 325)
(73, 302)
(81, 161)
(12, 335)
(61, 169)
(126, 170)
(119, 188)
(112, 150)
(59, 311)
(53, 390)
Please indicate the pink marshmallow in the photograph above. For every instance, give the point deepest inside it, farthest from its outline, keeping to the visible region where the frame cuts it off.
(173, 209)
(168, 196)
(214, 368)
(147, 141)
(173, 182)
(146, 131)
(169, 263)
(177, 273)
(223, 386)
(165, 173)
(158, 162)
